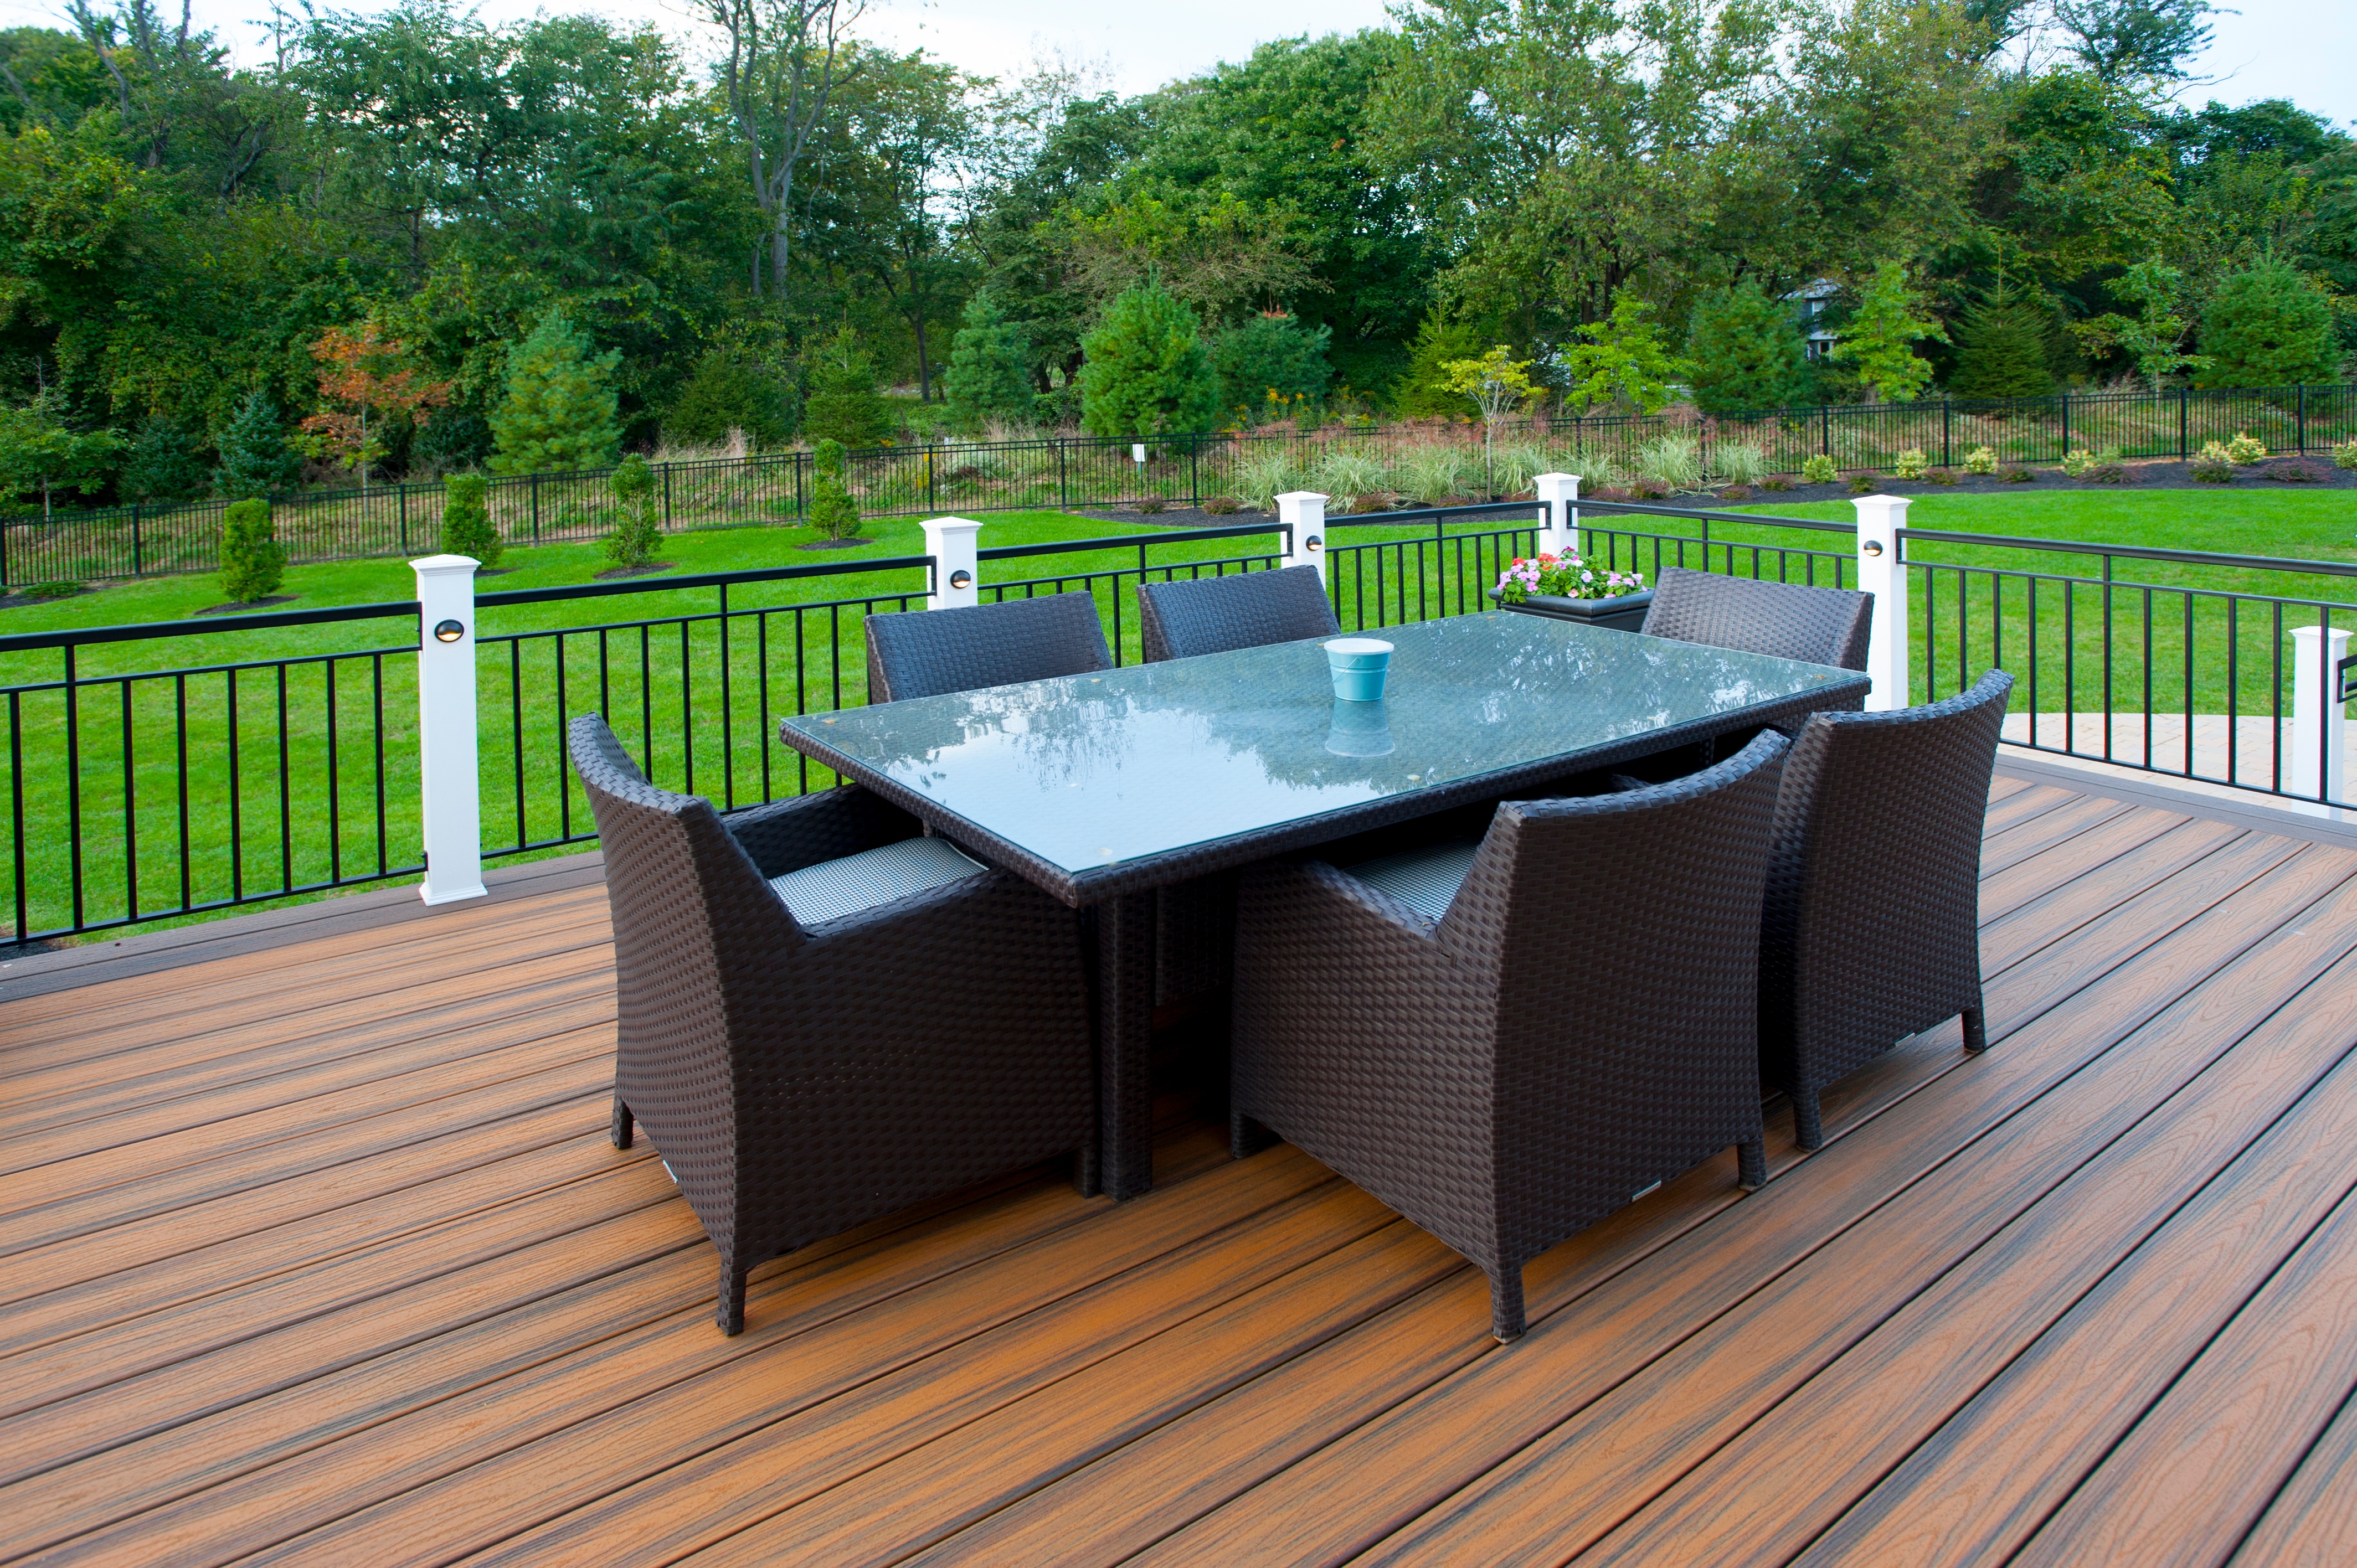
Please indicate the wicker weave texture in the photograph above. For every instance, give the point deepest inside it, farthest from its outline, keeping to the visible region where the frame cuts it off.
(933, 652)
(1181, 618)
(1789, 621)
(1582, 1023)
(802, 1080)
(1870, 930)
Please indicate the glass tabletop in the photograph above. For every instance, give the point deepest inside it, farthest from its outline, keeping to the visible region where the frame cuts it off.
(1087, 772)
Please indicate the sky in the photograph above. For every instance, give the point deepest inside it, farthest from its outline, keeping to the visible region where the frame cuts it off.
(2298, 49)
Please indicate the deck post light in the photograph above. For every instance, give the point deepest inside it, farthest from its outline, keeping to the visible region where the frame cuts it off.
(1302, 514)
(1559, 527)
(450, 803)
(957, 567)
(1881, 573)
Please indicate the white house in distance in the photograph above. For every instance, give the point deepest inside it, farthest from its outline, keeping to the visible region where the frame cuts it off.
(1811, 301)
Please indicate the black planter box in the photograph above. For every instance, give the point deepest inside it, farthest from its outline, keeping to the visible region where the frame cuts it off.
(1622, 612)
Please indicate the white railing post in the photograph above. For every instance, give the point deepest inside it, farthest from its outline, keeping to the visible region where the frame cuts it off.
(1881, 573)
(1559, 493)
(1303, 513)
(957, 569)
(2320, 731)
(450, 786)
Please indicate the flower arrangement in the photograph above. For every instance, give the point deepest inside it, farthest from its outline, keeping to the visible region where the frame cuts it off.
(1564, 577)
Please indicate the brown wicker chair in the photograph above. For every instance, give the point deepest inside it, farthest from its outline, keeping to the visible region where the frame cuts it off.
(1789, 621)
(1185, 616)
(1509, 1058)
(930, 652)
(1870, 932)
(802, 1076)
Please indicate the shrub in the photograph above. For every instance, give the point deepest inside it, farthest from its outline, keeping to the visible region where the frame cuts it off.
(729, 391)
(2345, 455)
(2268, 326)
(1736, 493)
(57, 590)
(1861, 484)
(1740, 462)
(466, 520)
(1819, 470)
(1981, 461)
(2246, 447)
(2105, 473)
(252, 561)
(1646, 488)
(833, 512)
(1146, 371)
(1271, 361)
(1747, 352)
(1942, 476)
(2210, 466)
(2017, 474)
(1151, 506)
(1223, 506)
(162, 466)
(1676, 459)
(844, 405)
(1776, 482)
(1912, 464)
(255, 459)
(2077, 462)
(638, 536)
(2293, 471)
(558, 414)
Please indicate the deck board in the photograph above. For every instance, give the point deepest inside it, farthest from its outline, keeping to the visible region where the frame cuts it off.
(317, 1252)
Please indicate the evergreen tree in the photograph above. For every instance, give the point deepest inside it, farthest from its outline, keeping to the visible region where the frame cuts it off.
(1422, 391)
(638, 535)
(1747, 352)
(1146, 372)
(2002, 350)
(466, 520)
(2268, 326)
(256, 458)
(252, 561)
(1271, 360)
(162, 466)
(832, 510)
(843, 404)
(1880, 338)
(559, 411)
(989, 377)
(729, 391)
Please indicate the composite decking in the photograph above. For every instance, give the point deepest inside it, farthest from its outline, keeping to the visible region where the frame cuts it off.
(316, 1252)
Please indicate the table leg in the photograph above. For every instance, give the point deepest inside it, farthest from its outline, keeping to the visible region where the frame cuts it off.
(1124, 1042)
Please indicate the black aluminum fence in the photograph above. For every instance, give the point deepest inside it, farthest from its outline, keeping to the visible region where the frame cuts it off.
(172, 772)
(1429, 463)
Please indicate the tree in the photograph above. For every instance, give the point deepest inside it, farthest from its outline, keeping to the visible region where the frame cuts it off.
(1146, 372)
(730, 390)
(1622, 365)
(2134, 40)
(1747, 352)
(1880, 336)
(1270, 358)
(39, 450)
(1498, 383)
(989, 378)
(832, 512)
(466, 520)
(252, 561)
(162, 464)
(2268, 326)
(2154, 337)
(372, 377)
(638, 535)
(558, 414)
(2001, 350)
(843, 404)
(785, 60)
(1422, 390)
(255, 459)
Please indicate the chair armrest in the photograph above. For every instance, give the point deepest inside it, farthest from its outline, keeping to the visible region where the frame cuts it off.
(1346, 910)
(787, 835)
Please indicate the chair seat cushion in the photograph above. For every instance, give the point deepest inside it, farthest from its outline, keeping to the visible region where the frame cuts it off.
(833, 888)
(1424, 879)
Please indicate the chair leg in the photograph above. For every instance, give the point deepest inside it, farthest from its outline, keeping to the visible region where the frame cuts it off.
(1976, 1031)
(1807, 1130)
(1506, 1321)
(1247, 1137)
(1751, 1165)
(1086, 1177)
(731, 1313)
(623, 1122)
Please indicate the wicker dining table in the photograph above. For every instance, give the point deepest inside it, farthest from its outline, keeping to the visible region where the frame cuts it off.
(1102, 789)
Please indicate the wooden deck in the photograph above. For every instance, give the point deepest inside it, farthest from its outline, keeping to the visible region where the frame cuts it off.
(316, 1252)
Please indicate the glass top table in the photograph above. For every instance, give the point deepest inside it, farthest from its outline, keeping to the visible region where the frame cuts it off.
(1091, 785)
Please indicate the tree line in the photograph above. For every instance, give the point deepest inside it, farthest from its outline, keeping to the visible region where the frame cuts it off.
(414, 244)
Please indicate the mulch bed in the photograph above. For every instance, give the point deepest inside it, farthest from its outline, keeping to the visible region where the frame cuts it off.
(834, 544)
(254, 605)
(10, 601)
(649, 569)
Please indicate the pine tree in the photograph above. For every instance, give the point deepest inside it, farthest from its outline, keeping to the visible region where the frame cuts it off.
(252, 561)
(255, 459)
(1145, 370)
(638, 535)
(1271, 354)
(2001, 350)
(1423, 390)
(843, 404)
(559, 411)
(989, 376)
(1747, 352)
(729, 391)
(832, 510)
(162, 466)
(466, 520)
(2268, 326)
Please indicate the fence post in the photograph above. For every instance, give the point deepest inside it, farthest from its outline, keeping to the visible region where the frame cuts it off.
(2299, 395)
(2183, 451)
(2066, 423)
(1559, 493)
(1195, 471)
(2320, 731)
(957, 568)
(1826, 420)
(1947, 431)
(1063, 483)
(449, 784)
(1302, 514)
(535, 507)
(1881, 573)
(137, 565)
(666, 468)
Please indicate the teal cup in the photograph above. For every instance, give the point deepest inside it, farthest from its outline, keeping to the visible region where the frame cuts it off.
(1358, 665)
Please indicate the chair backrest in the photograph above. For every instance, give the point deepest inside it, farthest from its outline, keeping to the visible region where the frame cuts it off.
(930, 652)
(1873, 902)
(1789, 621)
(1181, 618)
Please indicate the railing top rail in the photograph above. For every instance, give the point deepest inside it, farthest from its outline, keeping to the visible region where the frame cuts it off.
(1442, 514)
(29, 642)
(2133, 552)
(1125, 541)
(702, 580)
(1647, 508)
